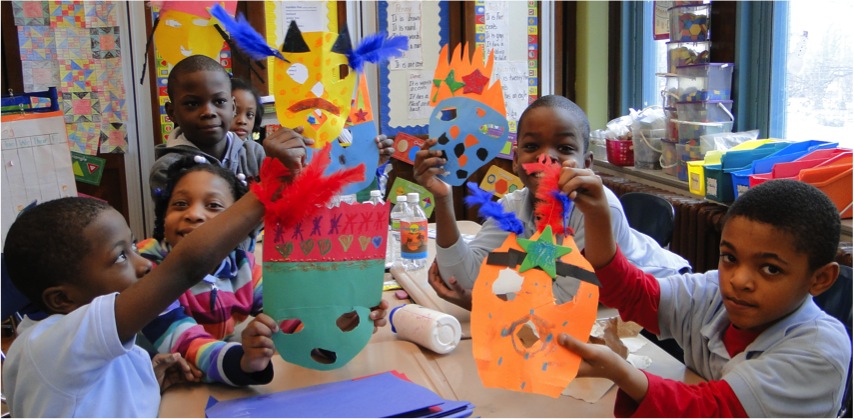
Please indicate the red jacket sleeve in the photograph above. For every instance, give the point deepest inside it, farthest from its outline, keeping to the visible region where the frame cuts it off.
(669, 398)
(634, 293)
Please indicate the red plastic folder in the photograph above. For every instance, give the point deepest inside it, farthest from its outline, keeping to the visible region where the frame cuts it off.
(377, 396)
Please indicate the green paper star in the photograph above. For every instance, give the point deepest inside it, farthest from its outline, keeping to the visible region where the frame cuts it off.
(542, 252)
(452, 82)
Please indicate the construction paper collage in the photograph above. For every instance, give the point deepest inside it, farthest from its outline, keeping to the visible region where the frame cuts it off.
(74, 45)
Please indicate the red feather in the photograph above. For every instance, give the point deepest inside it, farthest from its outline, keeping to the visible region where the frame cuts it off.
(289, 203)
(548, 210)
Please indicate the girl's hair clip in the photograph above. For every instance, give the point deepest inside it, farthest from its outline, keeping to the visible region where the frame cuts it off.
(242, 178)
(200, 159)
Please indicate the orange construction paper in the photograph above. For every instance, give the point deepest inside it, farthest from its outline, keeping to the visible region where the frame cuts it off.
(513, 356)
(315, 88)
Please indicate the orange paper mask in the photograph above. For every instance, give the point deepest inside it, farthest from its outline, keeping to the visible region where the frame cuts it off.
(515, 338)
(316, 85)
(186, 28)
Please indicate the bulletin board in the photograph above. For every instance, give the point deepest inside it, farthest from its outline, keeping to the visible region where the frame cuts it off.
(501, 28)
(405, 82)
(36, 163)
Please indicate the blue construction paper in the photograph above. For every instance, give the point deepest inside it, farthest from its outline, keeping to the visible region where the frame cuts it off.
(382, 395)
(362, 150)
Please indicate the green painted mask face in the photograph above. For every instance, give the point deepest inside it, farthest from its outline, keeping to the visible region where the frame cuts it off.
(326, 272)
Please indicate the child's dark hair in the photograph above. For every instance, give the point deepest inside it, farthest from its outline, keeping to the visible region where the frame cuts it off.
(44, 246)
(176, 172)
(560, 102)
(189, 65)
(238, 84)
(797, 208)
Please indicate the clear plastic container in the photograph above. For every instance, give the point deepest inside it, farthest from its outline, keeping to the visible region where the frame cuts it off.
(597, 145)
(671, 129)
(690, 131)
(376, 197)
(413, 234)
(701, 82)
(684, 154)
(668, 157)
(670, 94)
(647, 148)
(706, 111)
(690, 22)
(687, 53)
(397, 213)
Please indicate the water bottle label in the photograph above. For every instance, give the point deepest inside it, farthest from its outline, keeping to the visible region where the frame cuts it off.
(413, 239)
(395, 224)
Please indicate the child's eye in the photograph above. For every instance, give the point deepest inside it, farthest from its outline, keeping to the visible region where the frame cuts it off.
(215, 205)
(250, 114)
(771, 270)
(122, 257)
(134, 247)
(191, 104)
(530, 146)
(178, 204)
(566, 149)
(220, 102)
(727, 258)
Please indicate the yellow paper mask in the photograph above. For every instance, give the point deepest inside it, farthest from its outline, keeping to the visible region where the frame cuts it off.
(186, 28)
(316, 86)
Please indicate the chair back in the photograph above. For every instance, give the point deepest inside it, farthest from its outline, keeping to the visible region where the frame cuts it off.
(837, 302)
(650, 214)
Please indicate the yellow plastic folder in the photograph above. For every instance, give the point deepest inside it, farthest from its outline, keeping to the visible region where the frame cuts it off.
(696, 168)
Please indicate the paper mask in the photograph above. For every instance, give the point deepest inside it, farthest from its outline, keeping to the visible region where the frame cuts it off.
(468, 119)
(515, 321)
(316, 85)
(362, 148)
(186, 28)
(326, 271)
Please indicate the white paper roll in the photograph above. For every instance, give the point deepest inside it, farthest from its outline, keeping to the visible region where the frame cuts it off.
(431, 329)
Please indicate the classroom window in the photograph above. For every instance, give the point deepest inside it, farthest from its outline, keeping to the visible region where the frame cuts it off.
(814, 96)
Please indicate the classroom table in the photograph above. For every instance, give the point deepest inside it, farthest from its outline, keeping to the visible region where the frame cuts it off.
(452, 376)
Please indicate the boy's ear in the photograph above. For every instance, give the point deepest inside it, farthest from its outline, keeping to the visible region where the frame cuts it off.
(515, 159)
(588, 159)
(823, 278)
(169, 110)
(57, 299)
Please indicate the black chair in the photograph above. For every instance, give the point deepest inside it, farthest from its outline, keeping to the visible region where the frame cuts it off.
(837, 301)
(650, 214)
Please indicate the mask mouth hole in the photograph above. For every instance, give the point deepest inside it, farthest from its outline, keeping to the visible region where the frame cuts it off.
(323, 356)
(528, 335)
(348, 321)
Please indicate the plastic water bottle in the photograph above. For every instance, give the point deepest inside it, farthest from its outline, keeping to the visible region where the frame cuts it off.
(413, 234)
(376, 197)
(431, 329)
(396, 215)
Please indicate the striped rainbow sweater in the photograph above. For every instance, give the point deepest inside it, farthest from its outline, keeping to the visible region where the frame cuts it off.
(204, 315)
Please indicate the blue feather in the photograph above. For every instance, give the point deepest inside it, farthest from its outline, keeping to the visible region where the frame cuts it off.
(376, 48)
(507, 221)
(245, 36)
(566, 203)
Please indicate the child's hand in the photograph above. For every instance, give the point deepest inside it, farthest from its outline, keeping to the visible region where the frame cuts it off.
(601, 361)
(378, 314)
(428, 164)
(258, 346)
(171, 369)
(586, 191)
(454, 293)
(288, 145)
(386, 148)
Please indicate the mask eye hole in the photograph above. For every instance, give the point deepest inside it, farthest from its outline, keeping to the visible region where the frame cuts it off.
(348, 321)
(290, 326)
(343, 71)
(448, 114)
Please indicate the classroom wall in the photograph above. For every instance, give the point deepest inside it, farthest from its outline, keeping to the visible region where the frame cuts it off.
(592, 68)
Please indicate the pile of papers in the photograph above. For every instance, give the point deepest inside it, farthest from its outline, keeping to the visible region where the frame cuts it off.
(378, 396)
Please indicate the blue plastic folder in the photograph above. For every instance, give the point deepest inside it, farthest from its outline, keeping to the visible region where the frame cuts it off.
(377, 396)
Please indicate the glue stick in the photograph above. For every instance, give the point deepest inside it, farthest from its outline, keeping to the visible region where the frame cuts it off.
(431, 329)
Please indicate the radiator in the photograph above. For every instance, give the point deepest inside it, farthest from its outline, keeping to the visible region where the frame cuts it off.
(697, 224)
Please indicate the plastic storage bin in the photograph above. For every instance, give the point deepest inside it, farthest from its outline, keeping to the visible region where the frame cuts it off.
(690, 132)
(696, 172)
(835, 182)
(670, 126)
(791, 152)
(684, 154)
(686, 53)
(706, 111)
(647, 148)
(718, 176)
(791, 170)
(620, 152)
(690, 22)
(668, 157)
(670, 93)
(701, 82)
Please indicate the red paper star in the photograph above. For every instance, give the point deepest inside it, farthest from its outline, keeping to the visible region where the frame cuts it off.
(475, 82)
(361, 115)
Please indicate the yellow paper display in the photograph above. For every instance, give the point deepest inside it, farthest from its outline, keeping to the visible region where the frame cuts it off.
(186, 28)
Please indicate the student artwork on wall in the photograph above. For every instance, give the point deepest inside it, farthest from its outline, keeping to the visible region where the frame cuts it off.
(405, 82)
(405, 147)
(468, 118)
(500, 182)
(510, 30)
(401, 186)
(75, 47)
(323, 266)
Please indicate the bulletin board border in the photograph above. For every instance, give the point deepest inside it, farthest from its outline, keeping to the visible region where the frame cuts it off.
(444, 38)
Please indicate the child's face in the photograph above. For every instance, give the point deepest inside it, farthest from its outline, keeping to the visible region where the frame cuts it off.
(201, 105)
(113, 264)
(762, 276)
(244, 120)
(198, 197)
(549, 130)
